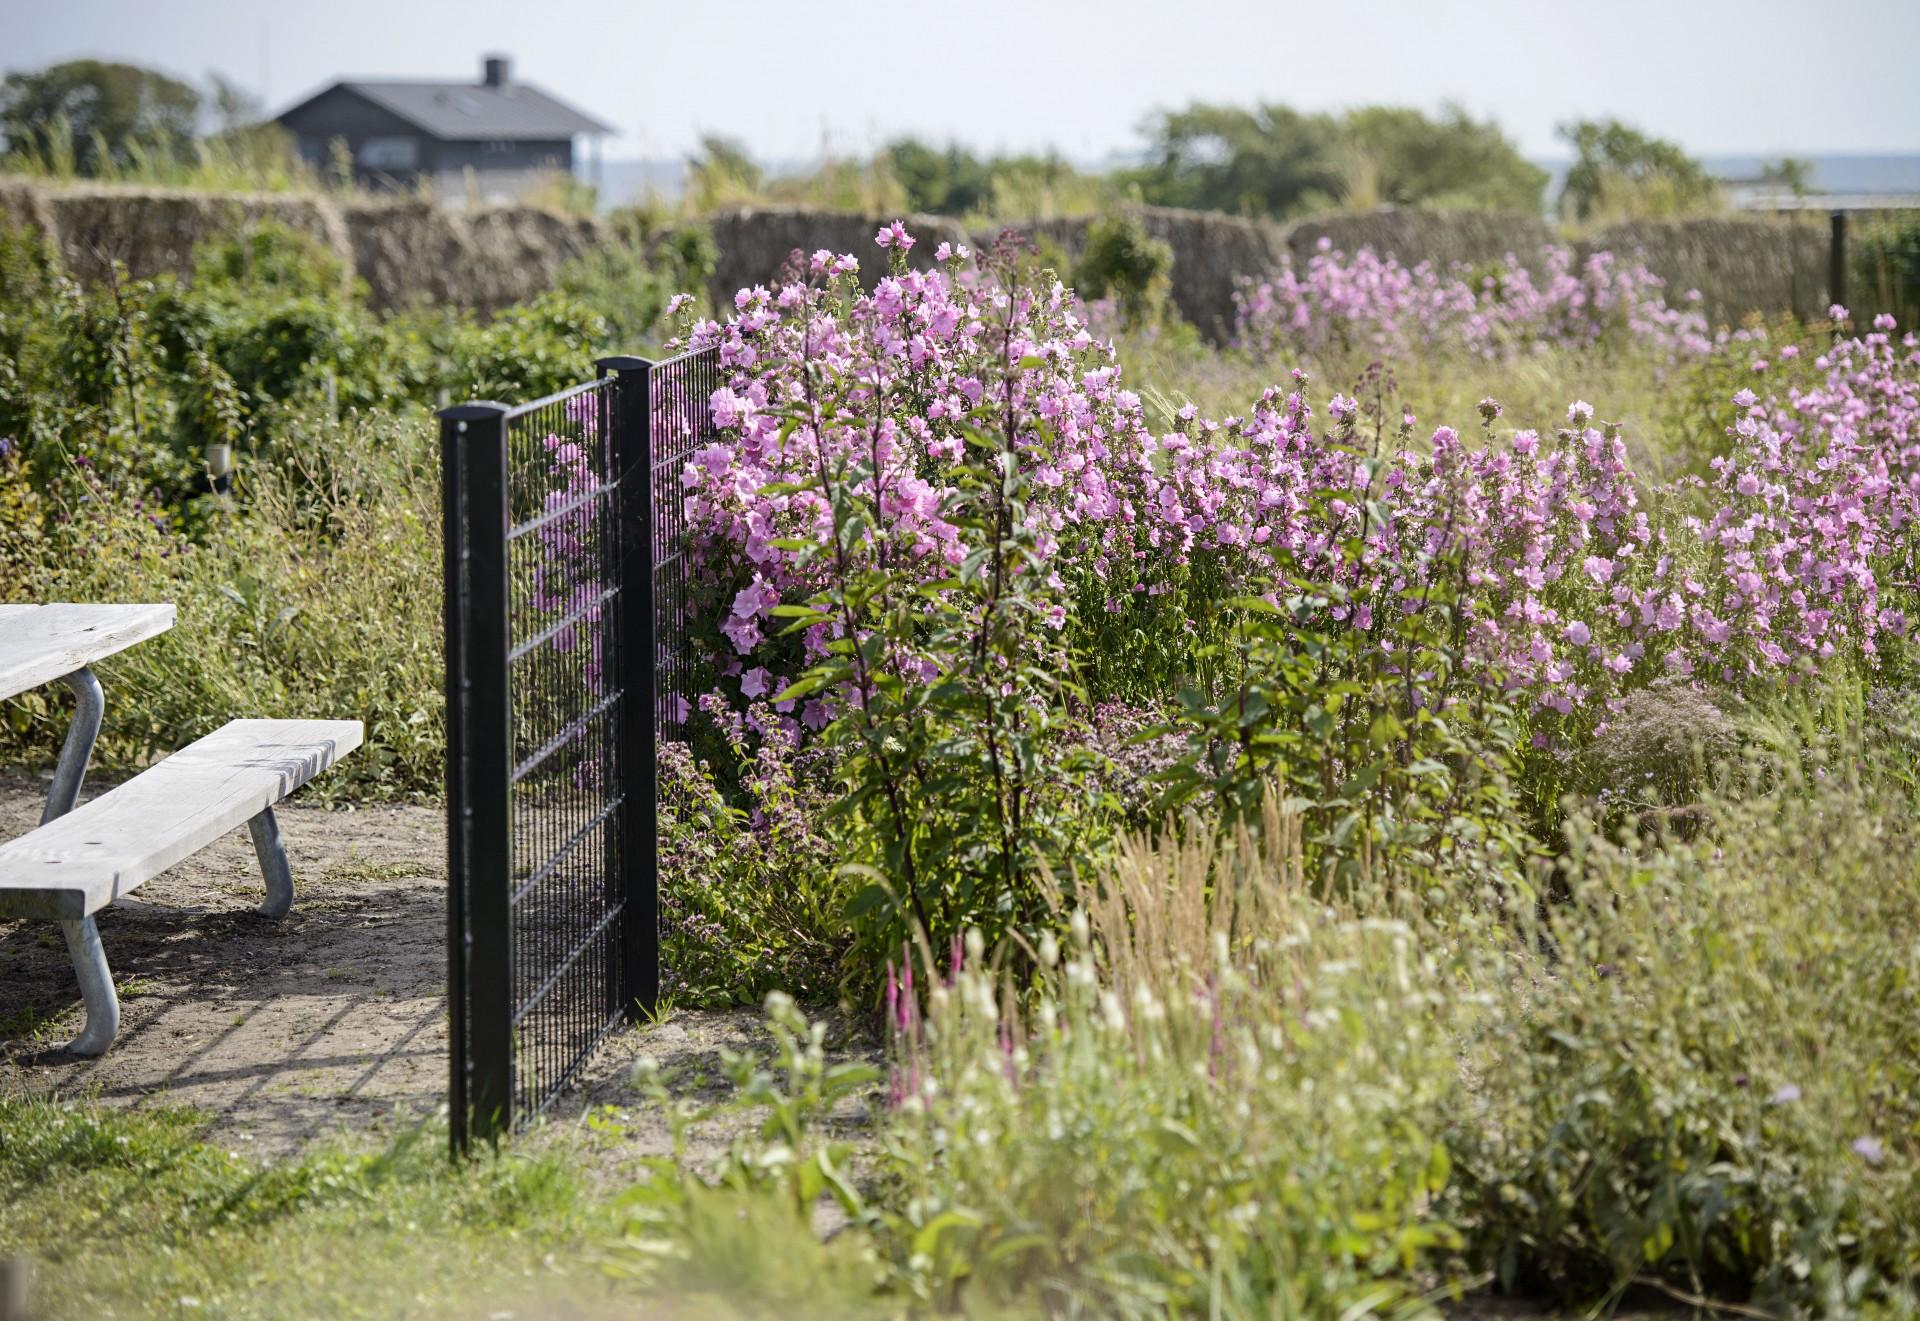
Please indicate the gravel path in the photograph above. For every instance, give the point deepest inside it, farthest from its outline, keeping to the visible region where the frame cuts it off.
(331, 1020)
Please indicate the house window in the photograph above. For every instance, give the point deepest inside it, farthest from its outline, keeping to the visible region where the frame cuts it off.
(390, 153)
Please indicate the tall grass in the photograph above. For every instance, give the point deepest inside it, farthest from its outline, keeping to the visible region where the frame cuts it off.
(1694, 1071)
(257, 158)
(313, 591)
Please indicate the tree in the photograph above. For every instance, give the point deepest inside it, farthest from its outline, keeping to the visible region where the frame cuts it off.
(119, 108)
(1450, 161)
(1267, 161)
(723, 172)
(945, 183)
(1619, 168)
(234, 107)
(1276, 162)
(1795, 173)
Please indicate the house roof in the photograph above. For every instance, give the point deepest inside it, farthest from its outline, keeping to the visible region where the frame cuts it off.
(462, 111)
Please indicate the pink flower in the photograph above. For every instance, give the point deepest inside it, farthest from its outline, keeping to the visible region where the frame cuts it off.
(743, 633)
(755, 599)
(754, 682)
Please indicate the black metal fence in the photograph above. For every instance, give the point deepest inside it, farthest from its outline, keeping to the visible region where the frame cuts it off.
(566, 655)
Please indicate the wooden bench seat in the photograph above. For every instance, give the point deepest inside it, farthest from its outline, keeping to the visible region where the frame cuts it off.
(79, 863)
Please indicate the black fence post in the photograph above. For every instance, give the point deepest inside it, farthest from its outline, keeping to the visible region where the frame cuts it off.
(473, 441)
(637, 716)
(1837, 258)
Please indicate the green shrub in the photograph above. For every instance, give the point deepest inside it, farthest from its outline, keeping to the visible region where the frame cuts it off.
(1216, 1108)
(629, 282)
(749, 900)
(1123, 262)
(1885, 268)
(302, 597)
(1706, 1067)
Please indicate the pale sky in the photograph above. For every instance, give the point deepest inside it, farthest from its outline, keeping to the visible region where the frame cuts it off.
(1761, 77)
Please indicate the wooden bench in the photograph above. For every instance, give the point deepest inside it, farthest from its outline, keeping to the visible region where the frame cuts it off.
(79, 863)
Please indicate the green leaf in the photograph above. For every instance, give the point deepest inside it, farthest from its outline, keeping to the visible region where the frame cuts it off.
(930, 1234)
(805, 684)
(865, 900)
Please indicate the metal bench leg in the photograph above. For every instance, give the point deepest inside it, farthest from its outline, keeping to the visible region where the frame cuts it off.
(88, 705)
(96, 987)
(273, 864)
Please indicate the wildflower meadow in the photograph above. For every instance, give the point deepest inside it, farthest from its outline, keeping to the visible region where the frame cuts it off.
(1410, 806)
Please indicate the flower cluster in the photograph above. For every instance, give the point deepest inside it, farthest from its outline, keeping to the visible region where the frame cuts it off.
(1811, 525)
(1565, 578)
(933, 361)
(1375, 303)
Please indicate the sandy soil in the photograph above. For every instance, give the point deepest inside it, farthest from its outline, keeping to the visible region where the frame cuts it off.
(331, 1020)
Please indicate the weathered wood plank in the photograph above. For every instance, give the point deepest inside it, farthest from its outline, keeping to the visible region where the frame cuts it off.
(40, 643)
(80, 862)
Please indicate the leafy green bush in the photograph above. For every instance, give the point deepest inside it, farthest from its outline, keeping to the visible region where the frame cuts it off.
(1710, 1074)
(1620, 172)
(630, 281)
(750, 902)
(1328, 715)
(1226, 1108)
(1276, 161)
(1697, 1070)
(301, 598)
(1122, 262)
(1885, 262)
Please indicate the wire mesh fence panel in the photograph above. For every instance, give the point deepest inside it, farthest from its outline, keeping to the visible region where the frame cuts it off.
(567, 660)
(565, 788)
(679, 423)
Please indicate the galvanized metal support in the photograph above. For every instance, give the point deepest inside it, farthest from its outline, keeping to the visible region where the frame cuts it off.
(96, 987)
(88, 706)
(636, 729)
(479, 763)
(83, 936)
(274, 868)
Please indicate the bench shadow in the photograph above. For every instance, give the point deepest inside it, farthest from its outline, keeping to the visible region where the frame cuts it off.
(215, 1002)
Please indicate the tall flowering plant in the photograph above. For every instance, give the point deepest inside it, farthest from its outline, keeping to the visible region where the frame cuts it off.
(934, 512)
(880, 570)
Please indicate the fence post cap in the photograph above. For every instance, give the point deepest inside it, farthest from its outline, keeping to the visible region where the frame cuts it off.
(621, 362)
(474, 410)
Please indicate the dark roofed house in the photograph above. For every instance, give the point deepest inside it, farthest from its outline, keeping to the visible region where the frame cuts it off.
(487, 141)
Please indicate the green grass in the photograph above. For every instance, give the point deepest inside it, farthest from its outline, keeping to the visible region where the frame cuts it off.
(129, 1213)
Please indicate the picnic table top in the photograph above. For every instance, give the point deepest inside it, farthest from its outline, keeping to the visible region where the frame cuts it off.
(41, 643)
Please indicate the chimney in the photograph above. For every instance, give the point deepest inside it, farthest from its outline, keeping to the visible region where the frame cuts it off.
(496, 71)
